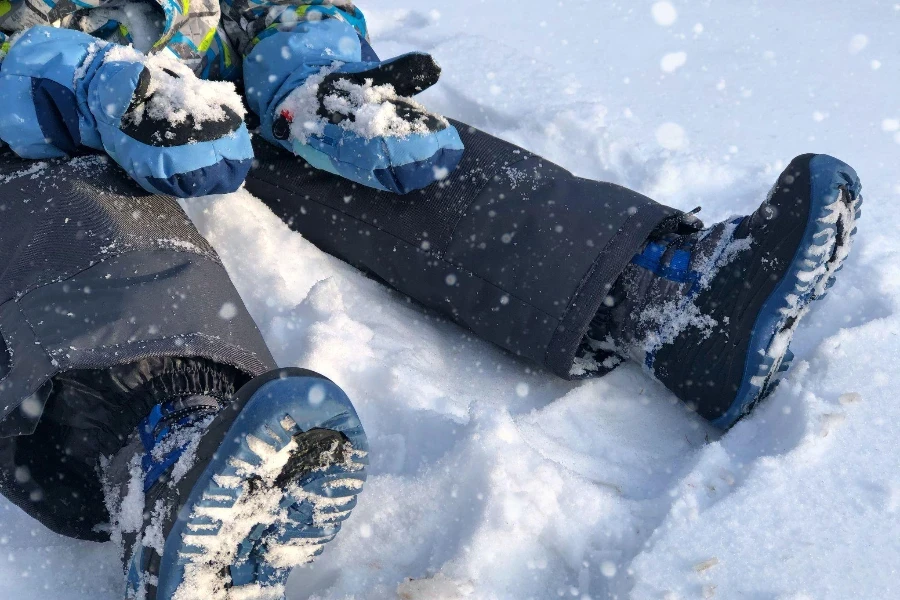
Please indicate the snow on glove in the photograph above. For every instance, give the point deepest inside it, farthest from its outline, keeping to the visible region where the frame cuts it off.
(317, 97)
(172, 133)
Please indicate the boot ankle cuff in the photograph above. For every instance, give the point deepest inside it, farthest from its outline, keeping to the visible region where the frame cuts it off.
(158, 380)
(100, 408)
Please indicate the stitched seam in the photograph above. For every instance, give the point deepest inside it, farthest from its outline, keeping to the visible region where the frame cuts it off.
(594, 265)
(590, 274)
(12, 364)
(28, 290)
(159, 339)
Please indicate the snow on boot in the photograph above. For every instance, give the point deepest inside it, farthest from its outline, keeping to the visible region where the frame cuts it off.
(220, 502)
(712, 313)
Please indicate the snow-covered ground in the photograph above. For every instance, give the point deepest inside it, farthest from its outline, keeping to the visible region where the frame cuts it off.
(492, 480)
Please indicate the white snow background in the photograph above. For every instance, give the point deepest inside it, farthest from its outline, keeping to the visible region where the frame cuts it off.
(491, 480)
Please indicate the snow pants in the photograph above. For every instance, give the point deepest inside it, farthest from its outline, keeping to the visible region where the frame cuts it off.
(104, 289)
(111, 301)
(511, 246)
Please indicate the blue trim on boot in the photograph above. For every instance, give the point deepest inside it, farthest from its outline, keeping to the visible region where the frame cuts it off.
(276, 413)
(827, 174)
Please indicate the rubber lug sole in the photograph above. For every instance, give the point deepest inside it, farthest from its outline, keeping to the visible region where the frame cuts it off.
(835, 205)
(276, 490)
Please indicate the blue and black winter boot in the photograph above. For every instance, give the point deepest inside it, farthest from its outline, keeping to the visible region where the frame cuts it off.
(711, 312)
(222, 501)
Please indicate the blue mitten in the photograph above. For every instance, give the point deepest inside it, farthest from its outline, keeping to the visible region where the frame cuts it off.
(320, 97)
(173, 133)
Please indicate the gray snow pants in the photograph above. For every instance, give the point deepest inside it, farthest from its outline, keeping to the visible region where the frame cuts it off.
(98, 276)
(105, 289)
(511, 246)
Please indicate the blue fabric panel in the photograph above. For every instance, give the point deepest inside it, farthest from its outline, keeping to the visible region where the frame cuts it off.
(369, 162)
(678, 269)
(50, 55)
(110, 93)
(315, 158)
(346, 147)
(282, 62)
(19, 126)
(57, 114)
(419, 147)
(650, 256)
(144, 162)
(48, 52)
(417, 175)
(222, 177)
(368, 52)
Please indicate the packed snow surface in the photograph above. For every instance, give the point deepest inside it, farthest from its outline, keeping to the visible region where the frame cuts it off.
(493, 480)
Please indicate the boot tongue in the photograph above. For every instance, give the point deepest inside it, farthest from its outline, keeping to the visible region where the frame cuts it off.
(168, 431)
(674, 264)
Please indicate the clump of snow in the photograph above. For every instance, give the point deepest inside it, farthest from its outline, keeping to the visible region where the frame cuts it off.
(125, 502)
(671, 136)
(175, 92)
(858, 43)
(302, 105)
(187, 438)
(182, 245)
(93, 50)
(673, 61)
(374, 108)
(259, 505)
(664, 321)
(600, 355)
(33, 169)
(664, 13)
(371, 110)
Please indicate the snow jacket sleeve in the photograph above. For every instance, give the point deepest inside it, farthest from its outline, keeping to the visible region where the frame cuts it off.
(190, 30)
(247, 22)
(209, 36)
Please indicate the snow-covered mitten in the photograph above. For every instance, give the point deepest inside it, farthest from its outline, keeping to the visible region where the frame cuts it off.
(221, 499)
(318, 96)
(172, 132)
(711, 312)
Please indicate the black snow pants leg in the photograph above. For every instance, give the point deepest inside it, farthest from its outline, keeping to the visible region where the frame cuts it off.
(511, 246)
(110, 302)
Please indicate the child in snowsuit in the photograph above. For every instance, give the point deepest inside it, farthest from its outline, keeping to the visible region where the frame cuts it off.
(126, 351)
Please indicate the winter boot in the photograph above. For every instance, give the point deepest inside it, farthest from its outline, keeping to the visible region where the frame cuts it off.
(711, 312)
(213, 501)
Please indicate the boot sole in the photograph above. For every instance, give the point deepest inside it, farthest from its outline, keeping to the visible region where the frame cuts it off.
(835, 205)
(276, 489)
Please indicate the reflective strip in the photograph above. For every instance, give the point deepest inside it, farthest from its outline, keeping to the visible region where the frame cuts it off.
(226, 54)
(207, 39)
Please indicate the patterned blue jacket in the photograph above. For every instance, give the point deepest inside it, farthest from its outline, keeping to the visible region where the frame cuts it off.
(209, 36)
